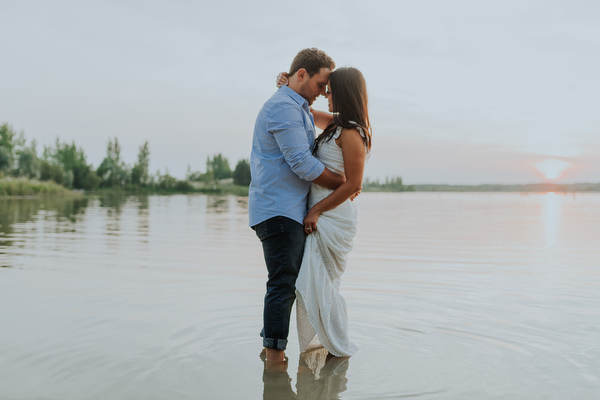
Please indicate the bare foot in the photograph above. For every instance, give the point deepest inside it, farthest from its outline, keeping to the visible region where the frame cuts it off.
(280, 366)
(274, 355)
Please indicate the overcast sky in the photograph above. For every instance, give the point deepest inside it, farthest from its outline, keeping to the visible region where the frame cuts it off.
(461, 92)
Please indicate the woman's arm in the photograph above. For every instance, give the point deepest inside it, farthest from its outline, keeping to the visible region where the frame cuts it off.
(322, 118)
(353, 150)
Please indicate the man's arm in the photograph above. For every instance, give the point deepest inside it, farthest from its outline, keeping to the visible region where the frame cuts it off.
(330, 180)
(287, 127)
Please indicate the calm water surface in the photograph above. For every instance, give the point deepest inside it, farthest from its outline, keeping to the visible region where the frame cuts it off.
(450, 296)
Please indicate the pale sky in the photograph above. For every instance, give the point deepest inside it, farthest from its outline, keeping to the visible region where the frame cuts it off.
(461, 92)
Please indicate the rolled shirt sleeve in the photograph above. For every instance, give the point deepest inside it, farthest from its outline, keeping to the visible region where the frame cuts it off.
(286, 126)
(281, 161)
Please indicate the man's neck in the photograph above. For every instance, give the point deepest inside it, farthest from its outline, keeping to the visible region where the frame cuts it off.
(295, 86)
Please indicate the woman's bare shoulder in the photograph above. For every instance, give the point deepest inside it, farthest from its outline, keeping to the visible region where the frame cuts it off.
(350, 132)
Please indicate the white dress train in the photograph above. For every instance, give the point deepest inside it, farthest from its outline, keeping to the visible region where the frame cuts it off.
(320, 308)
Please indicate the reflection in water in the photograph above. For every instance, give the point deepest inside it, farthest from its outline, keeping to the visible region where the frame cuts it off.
(552, 207)
(25, 223)
(19, 211)
(114, 203)
(143, 227)
(463, 289)
(320, 377)
(278, 384)
(218, 204)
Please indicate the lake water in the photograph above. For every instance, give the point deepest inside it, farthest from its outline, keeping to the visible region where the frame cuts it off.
(450, 296)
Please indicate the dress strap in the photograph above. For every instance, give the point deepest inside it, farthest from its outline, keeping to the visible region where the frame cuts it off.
(360, 130)
(338, 132)
(339, 129)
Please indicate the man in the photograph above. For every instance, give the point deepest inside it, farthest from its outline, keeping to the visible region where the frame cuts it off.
(282, 167)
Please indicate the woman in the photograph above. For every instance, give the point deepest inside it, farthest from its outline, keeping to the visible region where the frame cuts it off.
(331, 221)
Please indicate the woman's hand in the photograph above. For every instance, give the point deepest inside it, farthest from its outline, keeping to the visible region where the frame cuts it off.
(282, 79)
(310, 222)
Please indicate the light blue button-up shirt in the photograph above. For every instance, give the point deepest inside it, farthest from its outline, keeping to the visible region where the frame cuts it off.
(281, 162)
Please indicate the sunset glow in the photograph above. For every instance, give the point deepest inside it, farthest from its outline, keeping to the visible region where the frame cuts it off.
(552, 168)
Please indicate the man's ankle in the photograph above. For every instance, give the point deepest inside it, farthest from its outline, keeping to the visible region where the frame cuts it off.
(274, 355)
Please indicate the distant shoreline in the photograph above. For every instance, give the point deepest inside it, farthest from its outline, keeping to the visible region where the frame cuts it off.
(524, 188)
(22, 188)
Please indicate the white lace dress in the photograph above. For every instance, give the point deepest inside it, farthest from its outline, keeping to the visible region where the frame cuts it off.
(321, 309)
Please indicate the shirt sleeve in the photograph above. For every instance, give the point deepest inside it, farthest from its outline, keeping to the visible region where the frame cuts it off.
(286, 124)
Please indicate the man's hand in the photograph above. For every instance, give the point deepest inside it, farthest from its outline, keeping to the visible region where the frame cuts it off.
(330, 180)
(355, 195)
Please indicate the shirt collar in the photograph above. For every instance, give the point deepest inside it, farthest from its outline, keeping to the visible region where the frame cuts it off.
(295, 96)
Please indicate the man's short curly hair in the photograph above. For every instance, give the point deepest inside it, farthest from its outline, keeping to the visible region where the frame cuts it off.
(312, 60)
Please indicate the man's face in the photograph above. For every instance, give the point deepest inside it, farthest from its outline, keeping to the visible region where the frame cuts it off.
(314, 87)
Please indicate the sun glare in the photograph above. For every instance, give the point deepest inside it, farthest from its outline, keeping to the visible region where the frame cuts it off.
(552, 168)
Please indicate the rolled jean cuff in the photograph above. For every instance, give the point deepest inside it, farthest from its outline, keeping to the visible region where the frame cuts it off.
(277, 344)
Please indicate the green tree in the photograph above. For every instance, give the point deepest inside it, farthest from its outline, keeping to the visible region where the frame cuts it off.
(5, 159)
(391, 185)
(112, 171)
(139, 173)
(51, 172)
(77, 173)
(194, 176)
(166, 182)
(219, 167)
(11, 143)
(91, 181)
(241, 174)
(29, 164)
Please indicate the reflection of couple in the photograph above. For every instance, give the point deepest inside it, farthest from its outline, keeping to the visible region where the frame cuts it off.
(319, 377)
(285, 159)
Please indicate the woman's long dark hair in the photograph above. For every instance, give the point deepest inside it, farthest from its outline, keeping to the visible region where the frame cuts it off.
(350, 105)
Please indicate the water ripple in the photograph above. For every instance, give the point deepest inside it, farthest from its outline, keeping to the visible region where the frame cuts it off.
(449, 296)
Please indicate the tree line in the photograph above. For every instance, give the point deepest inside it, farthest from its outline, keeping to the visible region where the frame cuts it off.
(390, 185)
(66, 164)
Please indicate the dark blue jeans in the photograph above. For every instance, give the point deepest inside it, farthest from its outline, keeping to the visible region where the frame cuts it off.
(283, 245)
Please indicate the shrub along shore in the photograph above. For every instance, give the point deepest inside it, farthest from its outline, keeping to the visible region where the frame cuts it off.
(25, 187)
(62, 168)
(34, 188)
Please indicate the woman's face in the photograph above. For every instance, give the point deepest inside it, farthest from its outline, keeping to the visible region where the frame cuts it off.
(328, 96)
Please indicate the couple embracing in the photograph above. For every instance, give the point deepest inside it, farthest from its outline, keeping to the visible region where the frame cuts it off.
(300, 200)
